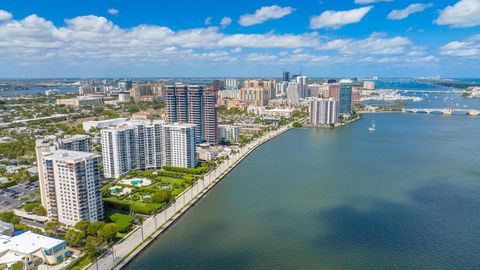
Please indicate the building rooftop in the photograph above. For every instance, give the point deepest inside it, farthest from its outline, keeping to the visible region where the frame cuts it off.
(27, 242)
(68, 155)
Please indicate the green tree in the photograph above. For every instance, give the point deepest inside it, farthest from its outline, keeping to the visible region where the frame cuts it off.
(55, 229)
(39, 210)
(92, 246)
(10, 217)
(82, 225)
(94, 228)
(108, 232)
(162, 196)
(75, 238)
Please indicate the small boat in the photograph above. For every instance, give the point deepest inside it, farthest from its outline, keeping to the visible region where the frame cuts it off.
(372, 127)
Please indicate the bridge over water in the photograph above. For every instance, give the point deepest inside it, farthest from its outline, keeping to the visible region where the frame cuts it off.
(447, 111)
(453, 91)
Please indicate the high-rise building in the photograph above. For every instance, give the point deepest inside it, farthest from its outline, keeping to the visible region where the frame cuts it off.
(303, 86)
(281, 89)
(49, 144)
(217, 85)
(334, 91)
(286, 76)
(229, 133)
(125, 85)
(231, 84)
(345, 101)
(257, 91)
(179, 144)
(140, 92)
(76, 184)
(369, 85)
(194, 104)
(293, 93)
(135, 145)
(356, 96)
(323, 111)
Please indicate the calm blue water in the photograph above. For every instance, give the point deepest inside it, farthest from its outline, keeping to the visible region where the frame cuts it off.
(38, 90)
(430, 100)
(403, 197)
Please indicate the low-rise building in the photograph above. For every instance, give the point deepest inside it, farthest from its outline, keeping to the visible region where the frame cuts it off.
(80, 101)
(88, 125)
(36, 249)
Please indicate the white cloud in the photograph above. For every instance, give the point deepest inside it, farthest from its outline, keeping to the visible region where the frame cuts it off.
(93, 40)
(208, 21)
(112, 11)
(264, 14)
(470, 48)
(363, 2)
(465, 13)
(226, 21)
(376, 44)
(336, 19)
(5, 16)
(404, 13)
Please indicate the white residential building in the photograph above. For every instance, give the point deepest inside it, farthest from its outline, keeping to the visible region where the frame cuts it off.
(231, 84)
(133, 145)
(229, 133)
(323, 111)
(293, 93)
(230, 94)
(281, 89)
(74, 179)
(179, 143)
(302, 86)
(50, 144)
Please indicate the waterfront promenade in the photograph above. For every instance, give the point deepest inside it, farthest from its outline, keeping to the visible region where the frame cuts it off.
(125, 250)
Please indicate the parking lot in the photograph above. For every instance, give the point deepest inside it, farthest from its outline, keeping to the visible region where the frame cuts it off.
(10, 197)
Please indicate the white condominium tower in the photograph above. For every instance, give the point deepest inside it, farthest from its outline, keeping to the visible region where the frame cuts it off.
(323, 111)
(76, 184)
(49, 144)
(132, 146)
(229, 133)
(180, 145)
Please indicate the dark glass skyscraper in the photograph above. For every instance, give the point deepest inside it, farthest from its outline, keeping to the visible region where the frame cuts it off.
(345, 97)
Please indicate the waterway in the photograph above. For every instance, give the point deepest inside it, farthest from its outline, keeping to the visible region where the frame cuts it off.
(38, 91)
(403, 197)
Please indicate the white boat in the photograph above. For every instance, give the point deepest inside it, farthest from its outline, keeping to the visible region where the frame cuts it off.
(372, 128)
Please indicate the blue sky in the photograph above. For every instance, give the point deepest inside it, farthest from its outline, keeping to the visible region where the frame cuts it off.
(393, 38)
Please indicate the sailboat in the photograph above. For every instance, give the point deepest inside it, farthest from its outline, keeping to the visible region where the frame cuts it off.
(372, 127)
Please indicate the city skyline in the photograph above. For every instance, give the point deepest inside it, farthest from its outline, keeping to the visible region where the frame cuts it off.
(321, 38)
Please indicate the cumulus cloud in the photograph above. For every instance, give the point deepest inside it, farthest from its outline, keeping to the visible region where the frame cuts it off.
(469, 48)
(94, 40)
(376, 44)
(336, 19)
(264, 14)
(404, 13)
(465, 13)
(5, 16)
(208, 21)
(363, 2)
(112, 11)
(226, 21)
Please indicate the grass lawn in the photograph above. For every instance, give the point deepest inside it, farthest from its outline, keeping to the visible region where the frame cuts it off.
(171, 180)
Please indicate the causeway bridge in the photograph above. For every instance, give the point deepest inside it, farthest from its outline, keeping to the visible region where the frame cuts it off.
(453, 91)
(446, 111)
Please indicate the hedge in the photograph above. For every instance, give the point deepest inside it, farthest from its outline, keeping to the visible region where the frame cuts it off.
(137, 207)
(198, 170)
